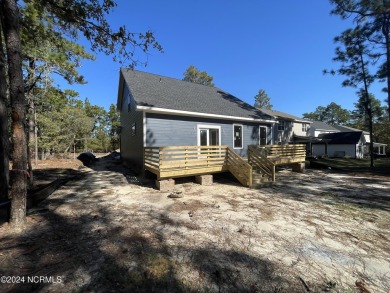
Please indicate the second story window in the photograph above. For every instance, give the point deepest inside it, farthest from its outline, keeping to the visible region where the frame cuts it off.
(281, 125)
(305, 127)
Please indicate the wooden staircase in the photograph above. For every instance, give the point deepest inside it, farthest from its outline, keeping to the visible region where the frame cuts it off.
(264, 159)
(263, 169)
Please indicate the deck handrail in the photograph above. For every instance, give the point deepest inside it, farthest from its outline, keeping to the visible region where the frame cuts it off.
(283, 154)
(176, 161)
(257, 158)
(287, 150)
(239, 168)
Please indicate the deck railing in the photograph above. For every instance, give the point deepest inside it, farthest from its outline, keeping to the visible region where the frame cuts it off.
(180, 161)
(239, 168)
(282, 154)
(257, 158)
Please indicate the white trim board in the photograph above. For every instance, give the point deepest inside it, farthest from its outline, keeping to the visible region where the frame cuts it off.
(242, 136)
(207, 126)
(197, 114)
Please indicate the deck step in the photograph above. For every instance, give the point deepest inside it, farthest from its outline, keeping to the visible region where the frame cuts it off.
(262, 185)
(261, 180)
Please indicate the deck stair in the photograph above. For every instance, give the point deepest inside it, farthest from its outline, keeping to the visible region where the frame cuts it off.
(263, 169)
(264, 160)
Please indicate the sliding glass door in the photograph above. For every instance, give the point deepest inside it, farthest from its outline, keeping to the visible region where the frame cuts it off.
(208, 136)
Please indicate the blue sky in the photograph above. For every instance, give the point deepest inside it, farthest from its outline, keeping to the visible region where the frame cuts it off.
(279, 46)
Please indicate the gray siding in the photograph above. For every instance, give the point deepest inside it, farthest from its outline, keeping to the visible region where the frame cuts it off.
(131, 145)
(283, 136)
(349, 150)
(171, 130)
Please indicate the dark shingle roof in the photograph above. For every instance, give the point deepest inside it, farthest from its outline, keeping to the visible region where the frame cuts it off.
(352, 137)
(283, 115)
(348, 129)
(319, 125)
(158, 91)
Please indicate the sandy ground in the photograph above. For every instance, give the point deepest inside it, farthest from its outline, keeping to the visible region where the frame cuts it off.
(108, 230)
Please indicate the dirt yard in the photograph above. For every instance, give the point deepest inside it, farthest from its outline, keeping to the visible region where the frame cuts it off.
(108, 230)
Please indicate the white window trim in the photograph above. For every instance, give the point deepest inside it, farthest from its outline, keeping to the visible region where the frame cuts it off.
(144, 127)
(199, 126)
(284, 125)
(242, 137)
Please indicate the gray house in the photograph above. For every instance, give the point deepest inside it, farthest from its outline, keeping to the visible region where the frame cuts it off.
(161, 111)
(288, 126)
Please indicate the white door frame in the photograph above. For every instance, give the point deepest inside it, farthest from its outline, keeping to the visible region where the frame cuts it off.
(266, 133)
(207, 127)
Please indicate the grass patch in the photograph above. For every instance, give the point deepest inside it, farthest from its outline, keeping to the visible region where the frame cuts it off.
(380, 165)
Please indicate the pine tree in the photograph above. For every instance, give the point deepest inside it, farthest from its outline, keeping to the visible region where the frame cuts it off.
(193, 74)
(353, 56)
(68, 19)
(262, 100)
(373, 18)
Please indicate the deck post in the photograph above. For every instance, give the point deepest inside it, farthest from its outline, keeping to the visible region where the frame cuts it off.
(204, 179)
(273, 173)
(186, 157)
(298, 167)
(165, 184)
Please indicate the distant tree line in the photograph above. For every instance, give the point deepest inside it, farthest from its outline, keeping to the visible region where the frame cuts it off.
(70, 124)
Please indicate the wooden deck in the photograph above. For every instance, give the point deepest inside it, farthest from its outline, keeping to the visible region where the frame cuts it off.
(264, 159)
(181, 161)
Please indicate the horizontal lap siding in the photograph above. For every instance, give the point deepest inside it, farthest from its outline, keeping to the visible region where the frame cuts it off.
(348, 149)
(170, 130)
(318, 149)
(283, 136)
(131, 146)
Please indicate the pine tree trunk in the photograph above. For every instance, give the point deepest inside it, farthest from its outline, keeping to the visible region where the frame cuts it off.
(4, 135)
(19, 174)
(388, 70)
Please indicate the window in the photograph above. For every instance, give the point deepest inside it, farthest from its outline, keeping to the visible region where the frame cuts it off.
(305, 127)
(237, 136)
(133, 129)
(209, 135)
(281, 125)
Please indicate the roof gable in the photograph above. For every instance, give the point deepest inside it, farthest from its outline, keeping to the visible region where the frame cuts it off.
(156, 91)
(352, 137)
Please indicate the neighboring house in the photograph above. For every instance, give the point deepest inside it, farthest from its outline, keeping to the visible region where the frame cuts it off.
(340, 144)
(379, 148)
(317, 146)
(287, 126)
(319, 127)
(161, 111)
